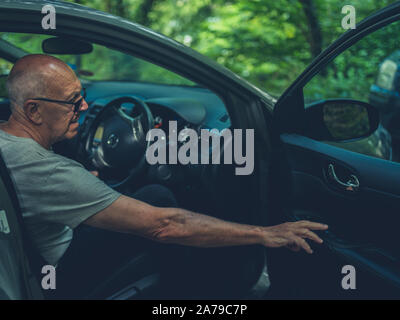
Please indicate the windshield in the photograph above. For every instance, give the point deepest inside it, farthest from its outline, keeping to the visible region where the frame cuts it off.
(102, 64)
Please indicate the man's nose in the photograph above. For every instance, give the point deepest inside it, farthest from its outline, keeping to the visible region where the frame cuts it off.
(84, 106)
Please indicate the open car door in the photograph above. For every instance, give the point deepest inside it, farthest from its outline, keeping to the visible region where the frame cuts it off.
(17, 277)
(342, 179)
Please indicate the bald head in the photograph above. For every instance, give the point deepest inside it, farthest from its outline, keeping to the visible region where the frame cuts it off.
(43, 91)
(37, 75)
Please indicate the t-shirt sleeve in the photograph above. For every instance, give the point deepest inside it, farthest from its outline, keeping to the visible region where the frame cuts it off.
(71, 194)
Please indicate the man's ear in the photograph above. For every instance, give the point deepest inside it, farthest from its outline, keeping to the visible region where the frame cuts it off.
(31, 109)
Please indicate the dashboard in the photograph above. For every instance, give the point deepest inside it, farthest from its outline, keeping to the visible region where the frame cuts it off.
(195, 106)
(191, 107)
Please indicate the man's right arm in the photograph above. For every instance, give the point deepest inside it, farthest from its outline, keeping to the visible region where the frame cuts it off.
(174, 225)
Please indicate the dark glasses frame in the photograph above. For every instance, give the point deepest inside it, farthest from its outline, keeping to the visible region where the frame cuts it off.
(77, 104)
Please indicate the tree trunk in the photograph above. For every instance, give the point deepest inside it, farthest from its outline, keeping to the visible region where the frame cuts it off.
(315, 34)
(142, 15)
(120, 9)
(109, 6)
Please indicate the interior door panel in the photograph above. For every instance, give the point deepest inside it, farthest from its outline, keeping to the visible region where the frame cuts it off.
(364, 222)
(357, 195)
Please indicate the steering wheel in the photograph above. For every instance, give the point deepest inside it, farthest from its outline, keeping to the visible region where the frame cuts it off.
(116, 140)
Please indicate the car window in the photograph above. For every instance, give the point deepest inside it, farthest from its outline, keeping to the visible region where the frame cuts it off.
(102, 63)
(106, 64)
(5, 67)
(368, 71)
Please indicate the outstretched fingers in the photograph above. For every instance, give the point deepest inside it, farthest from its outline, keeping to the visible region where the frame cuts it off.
(305, 233)
(312, 225)
(303, 244)
(298, 243)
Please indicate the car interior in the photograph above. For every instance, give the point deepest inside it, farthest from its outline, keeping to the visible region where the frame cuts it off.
(123, 87)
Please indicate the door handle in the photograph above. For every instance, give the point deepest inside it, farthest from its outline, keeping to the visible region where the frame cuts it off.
(351, 185)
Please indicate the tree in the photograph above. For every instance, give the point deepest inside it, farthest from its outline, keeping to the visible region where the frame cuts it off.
(315, 35)
(268, 42)
(142, 15)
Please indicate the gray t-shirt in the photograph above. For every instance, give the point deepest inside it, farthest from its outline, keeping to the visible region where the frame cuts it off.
(55, 193)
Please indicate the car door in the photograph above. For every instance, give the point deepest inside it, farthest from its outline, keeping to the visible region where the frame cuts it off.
(19, 263)
(310, 173)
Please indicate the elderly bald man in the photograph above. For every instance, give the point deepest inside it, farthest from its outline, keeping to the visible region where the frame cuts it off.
(58, 194)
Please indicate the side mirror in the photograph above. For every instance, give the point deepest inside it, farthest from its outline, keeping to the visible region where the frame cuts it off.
(340, 120)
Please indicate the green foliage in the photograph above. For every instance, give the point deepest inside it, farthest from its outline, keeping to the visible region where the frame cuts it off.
(267, 42)
(101, 64)
(353, 72)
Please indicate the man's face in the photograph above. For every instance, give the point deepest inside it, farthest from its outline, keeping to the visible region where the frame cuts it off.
(60, 119)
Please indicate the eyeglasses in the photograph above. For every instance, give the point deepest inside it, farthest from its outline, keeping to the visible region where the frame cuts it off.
(77, 104)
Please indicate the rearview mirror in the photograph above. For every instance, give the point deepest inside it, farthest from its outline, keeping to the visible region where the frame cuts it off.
(61, 45)
(341, 119)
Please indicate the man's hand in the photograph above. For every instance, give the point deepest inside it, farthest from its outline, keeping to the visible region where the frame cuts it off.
(292, 235)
